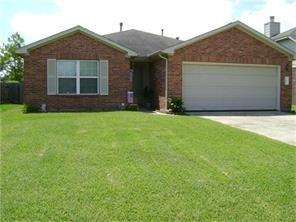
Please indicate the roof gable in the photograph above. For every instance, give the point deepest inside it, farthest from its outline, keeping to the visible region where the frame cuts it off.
(241, 26)
(26, 49)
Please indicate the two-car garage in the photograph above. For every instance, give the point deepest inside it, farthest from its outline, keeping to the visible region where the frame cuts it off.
(217, 86)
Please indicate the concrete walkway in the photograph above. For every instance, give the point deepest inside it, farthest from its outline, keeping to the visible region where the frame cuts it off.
(276, 125)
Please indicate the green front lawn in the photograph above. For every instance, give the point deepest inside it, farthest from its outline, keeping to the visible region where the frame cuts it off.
(134, 166)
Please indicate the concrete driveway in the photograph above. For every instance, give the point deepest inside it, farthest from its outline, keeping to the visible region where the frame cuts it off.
(276, 125)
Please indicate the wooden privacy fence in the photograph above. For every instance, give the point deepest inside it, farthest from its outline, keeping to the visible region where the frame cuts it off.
(11, 92)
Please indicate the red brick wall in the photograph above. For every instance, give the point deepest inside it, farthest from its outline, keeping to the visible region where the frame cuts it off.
(158, 80)
(231, 46)
(78, 47)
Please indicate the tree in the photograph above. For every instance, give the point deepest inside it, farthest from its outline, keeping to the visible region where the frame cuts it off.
(11, 64)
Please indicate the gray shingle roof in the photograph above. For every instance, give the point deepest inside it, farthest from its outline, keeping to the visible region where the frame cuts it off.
(290, 33)
(141, 42)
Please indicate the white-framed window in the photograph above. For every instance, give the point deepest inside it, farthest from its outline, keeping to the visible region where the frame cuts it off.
(77, 77)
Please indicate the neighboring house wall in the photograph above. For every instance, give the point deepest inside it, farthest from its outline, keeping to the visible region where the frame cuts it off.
(231, 46)
(77, 47)
(294, 86)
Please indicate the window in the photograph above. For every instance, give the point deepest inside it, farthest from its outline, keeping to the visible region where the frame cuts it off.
(77, 76)
(88, 68)
(88, 85)
(88, 77)
(66, 70)
(67, 85)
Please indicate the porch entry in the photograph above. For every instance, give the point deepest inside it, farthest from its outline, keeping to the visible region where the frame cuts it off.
(142, 84)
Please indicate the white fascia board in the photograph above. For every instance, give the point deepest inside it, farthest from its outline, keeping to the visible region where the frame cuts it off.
(27, 48)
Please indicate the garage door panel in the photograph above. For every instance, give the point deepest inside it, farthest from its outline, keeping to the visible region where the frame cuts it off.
(224, 69)
(225, 87)
(244, 100)
(229, 104)
(231, 91)
(203, 84)
(229, 80)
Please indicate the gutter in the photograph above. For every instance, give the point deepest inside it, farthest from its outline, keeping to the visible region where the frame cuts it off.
(166, 83)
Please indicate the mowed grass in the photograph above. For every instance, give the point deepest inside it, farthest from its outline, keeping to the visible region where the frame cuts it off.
(136, 166)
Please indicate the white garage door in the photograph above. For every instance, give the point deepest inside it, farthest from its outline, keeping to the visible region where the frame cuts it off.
(229, 87)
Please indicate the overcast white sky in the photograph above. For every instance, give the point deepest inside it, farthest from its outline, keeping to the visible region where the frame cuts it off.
(35, 19)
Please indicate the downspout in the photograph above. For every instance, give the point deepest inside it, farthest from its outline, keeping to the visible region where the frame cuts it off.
(166, 83)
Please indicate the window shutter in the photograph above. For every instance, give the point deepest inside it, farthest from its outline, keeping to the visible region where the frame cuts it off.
(104, 72)
(51, 77)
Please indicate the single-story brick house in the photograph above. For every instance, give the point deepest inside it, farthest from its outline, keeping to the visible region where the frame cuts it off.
(230, 68)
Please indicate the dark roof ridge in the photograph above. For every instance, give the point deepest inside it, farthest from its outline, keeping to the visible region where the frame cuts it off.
(149, 33)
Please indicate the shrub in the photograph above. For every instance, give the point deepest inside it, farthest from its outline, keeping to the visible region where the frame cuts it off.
(293, 108)
(175, 105)
(132, 107)
(28, 108)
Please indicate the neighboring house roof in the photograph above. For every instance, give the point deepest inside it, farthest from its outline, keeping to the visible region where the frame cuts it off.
(143, 43)
(34, 45)
(241, 26)
(290, 34)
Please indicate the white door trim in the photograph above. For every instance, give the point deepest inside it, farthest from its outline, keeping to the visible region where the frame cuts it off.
(278, 103)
